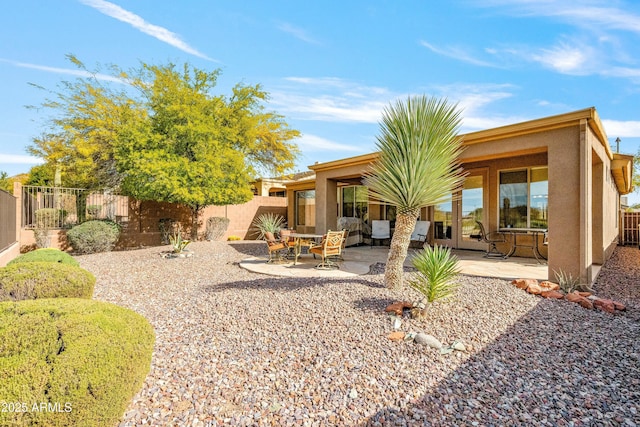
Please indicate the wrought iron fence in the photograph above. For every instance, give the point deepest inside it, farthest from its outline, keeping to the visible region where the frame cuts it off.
(7, 220)
(630, 228)
(59, 207)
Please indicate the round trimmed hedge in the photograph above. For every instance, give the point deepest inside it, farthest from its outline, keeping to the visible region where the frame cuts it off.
(46, 255)
(94, 236)
(81, 360)
(33, 280)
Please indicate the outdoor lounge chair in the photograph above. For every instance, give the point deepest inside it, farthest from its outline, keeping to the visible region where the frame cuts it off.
(331, 247)
(380, 229)
(419, 234)
(275, 246)
(490, 239)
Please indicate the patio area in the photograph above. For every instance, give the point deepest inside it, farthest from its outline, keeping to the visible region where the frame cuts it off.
(359, 259)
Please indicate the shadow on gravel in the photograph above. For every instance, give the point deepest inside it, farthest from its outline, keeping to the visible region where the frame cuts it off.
(288, 284)
(250, 248)
(376, 305)
(559, 365)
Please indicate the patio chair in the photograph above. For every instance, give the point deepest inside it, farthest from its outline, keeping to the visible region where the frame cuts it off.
(490, 239)
(330, 248)
(288, 240)
(275, 246)
(380, 230)
(419, 234)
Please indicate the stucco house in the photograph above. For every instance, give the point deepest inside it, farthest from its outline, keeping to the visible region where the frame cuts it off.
(556, 173)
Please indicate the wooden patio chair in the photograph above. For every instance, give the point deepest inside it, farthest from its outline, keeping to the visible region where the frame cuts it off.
(275, 246)
(331, 247)
(490, 239)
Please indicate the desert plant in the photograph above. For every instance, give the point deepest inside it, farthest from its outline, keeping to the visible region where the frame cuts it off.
(216, 227)
(165, 225)
(35, 280)
(177, 242)
(567, 282)
(93, 211)
(418, 166)
(268, 223)
(437, 268)
(46, 255)
(89, 357)
(41, 236)
(50, 218)
(233, 238)
(93, 236)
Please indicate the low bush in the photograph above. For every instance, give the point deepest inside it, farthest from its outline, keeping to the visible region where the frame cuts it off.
(94, 236)
(50, 217)
(70, 362)
(33, 280)
(46, 255)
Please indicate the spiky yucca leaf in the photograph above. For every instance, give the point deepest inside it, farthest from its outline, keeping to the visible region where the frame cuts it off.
(437, 268)
(268, 222)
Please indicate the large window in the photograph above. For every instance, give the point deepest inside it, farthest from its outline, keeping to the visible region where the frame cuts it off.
(354, 201)
(305, 208)
(523, 198)
(443, 220)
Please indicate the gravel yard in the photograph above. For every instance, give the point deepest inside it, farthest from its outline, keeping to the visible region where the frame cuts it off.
(239, 348)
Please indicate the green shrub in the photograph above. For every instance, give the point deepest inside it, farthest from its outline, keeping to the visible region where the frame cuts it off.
(50, 217)
(94, 210)
(268, 223)
(33, 280)
(437, 268)
(93, 236)
(85, 359)
(46, 255)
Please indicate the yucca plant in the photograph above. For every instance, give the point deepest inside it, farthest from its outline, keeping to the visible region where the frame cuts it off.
(437, 268)
(566, 281)
(268, 222)
(418, 166)
(177, 242)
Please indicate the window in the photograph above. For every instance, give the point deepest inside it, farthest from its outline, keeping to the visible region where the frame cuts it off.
(305, 208)
(523, 198)
(354, 201)
(443, 220)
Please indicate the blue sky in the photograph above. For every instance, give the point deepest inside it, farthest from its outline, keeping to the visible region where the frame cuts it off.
(331, 67)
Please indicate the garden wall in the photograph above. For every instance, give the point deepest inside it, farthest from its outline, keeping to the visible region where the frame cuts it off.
(9, 228)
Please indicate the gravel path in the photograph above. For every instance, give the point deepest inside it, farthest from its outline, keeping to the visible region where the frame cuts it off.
(238, 348)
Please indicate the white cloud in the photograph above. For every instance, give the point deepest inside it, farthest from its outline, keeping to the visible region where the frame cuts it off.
(67, 71)
(622, 129)
(19, 159)
(457, 53)
(565, 59)
(140, 24)
(315, 143)
(297, 32)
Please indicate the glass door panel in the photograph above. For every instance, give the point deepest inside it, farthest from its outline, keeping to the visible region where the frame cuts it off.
(473, 199)
(443, 223)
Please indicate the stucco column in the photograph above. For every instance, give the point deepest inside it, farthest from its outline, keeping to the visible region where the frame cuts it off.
(326, 213)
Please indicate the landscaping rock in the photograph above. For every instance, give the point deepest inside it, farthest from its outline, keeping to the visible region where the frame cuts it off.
(429, 340)
(579, 299)
(396, 336)
(584, 294)
(605, 305)
(547, 285)
(524, 283)
(534, 289)
(552, 294)
(397, 307)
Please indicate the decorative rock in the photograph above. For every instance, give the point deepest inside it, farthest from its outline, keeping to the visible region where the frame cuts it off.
(552, 294)
(397, 307)
(605, 305)
(396, 336)
(585, 294)
(410, 336)
(429, 340)
(619, 306)
(550, 285)
(353, 394)
(457, 345)
(524, 283)
(396, 323)
(579, 299)
(534, 289)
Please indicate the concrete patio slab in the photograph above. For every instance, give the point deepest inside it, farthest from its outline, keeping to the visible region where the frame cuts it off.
(358, 261)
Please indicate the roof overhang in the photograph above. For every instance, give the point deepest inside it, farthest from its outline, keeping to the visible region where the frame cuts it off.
(622, 171)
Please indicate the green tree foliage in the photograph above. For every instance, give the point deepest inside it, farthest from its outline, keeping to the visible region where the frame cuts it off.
(160, 134)
(418, 166)
(5, 182)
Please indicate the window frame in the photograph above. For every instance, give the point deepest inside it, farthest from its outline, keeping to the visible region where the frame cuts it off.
(528, 170)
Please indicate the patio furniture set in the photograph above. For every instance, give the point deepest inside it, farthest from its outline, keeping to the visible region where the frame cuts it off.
(515, 239)
(289, 245)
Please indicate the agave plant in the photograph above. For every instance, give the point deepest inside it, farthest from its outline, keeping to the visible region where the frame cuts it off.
(177, 242)
(437, 269)
(418, 166)
(268, 222)
(567, 282)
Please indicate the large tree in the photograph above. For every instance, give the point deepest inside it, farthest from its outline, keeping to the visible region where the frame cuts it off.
(418, 166)
(159, 133)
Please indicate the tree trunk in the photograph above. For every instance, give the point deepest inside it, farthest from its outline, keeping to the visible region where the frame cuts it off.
(394, 270)
(195, 214)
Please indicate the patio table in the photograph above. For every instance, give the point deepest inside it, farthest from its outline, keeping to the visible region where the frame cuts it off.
(520, 232)
(303, 239)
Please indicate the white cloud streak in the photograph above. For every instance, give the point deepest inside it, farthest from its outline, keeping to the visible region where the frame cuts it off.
(456, 53)
(314, 143)
(67, 71)
(622, 129)
(297, 32)
(20, 159)
(137, 22)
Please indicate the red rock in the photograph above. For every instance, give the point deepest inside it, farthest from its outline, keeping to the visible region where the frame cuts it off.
(397, 307)
(579, 299)
(524, 283)
(396, 336)
(604, 305)
(619, 306)
(584, 294)
(552, 294)
(550, 285)
(534, 289)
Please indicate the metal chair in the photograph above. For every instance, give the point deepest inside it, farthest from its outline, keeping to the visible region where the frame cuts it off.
(420, 233)
(380, 230)
(331, 247)
(275, 246)
(491, 239)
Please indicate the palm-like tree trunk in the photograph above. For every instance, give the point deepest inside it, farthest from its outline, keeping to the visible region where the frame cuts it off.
(394, 270)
